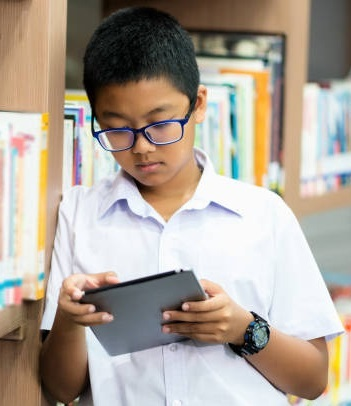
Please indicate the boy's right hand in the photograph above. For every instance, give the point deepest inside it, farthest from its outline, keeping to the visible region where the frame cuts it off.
(71, 292)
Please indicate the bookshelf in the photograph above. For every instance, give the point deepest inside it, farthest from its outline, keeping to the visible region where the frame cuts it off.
(292, 17)
(32, 55)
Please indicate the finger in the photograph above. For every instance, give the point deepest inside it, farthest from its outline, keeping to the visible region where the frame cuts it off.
(208, 305)
(84, 314)
(112, 277)
(206, 338)
(93, 319)
(75, 308)
(194, 317)
(212, 331)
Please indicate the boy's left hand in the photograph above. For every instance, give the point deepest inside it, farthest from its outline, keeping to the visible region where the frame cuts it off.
(215, 320)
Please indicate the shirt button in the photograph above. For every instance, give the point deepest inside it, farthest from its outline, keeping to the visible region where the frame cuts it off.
(173, 347)
(177, 402)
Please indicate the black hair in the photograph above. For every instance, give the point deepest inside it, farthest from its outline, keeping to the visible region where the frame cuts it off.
(138, 43)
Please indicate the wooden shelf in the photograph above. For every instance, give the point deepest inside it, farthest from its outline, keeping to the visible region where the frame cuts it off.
(328, 201)
(19, 379)
(32, 55)
(11, 319)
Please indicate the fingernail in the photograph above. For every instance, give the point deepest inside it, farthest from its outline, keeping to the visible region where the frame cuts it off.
(166, 316)
(77, 294)
(185, 306)
(166, 329)
(91, 309)
(107, 317)
(112, 275)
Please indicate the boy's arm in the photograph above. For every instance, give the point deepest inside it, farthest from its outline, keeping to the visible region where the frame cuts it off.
(64, 361)
(292, 365)
(63, 356)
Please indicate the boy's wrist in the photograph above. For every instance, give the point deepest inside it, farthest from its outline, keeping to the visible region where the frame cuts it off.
(66, 324)
(246, 320)
(255, 337)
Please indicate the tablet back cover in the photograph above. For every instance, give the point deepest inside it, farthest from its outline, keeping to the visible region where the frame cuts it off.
(137, 307)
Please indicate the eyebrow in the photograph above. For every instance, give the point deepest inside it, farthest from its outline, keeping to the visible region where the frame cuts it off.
(112, 114)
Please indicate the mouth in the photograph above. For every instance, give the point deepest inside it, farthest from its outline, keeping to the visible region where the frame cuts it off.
(147, 167)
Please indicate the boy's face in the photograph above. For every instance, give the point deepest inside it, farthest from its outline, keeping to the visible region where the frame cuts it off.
(138, 104)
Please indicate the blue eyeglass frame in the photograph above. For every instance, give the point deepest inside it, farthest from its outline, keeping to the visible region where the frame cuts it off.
(135, 131)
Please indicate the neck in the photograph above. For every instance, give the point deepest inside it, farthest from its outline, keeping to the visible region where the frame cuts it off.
(167, 199)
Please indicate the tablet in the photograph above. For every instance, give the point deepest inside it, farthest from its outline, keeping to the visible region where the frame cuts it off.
(137, 307)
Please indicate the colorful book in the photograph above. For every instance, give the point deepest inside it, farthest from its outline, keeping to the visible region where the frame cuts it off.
(42, 205)
(24, 162)
(79, 132)
(4, 206)
(244, 118)
(263, 118)
(326, 137)
(216, 137)
(68, 173)
(253, 52)
(91, 163)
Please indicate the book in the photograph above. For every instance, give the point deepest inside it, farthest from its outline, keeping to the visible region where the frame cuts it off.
(308, 165)
(15, 273)
(242, 115)
(42, 205)
(216, 132)
(91, 163)
(4, 206)
(254, 52)
(326, 137)
(78, 112)
(262, 125)
(68, 148)
(23, 204)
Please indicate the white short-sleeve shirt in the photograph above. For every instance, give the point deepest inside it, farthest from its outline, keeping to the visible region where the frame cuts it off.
(239, 236)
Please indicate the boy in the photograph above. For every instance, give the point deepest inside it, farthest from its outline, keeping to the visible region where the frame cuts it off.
(261, 333)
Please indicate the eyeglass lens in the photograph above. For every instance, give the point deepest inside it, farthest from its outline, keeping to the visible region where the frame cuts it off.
(162, 133)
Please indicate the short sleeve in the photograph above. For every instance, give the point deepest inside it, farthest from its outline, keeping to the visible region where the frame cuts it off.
(62, 255)
(301, 304)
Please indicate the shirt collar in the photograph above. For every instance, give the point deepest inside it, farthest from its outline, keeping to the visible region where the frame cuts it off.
(212, 189)
(215, 189)
(123, 188)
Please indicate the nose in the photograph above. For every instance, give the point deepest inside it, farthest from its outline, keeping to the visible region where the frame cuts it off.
(142, 145)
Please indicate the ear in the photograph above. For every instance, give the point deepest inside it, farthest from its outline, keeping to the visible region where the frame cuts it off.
(201, 104)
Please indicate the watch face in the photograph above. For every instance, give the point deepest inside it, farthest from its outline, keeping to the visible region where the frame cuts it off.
(260, 335)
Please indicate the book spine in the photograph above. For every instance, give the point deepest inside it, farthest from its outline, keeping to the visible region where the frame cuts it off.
(42, 205)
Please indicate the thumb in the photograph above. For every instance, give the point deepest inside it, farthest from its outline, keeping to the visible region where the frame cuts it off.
(75, 285)
(90, 281)
(101, 279)
(211, 288)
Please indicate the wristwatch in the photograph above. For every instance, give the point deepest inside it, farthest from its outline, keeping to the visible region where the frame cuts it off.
(256, 337)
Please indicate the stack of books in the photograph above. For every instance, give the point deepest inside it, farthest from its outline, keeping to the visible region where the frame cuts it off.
(326, 137)
(23, 187)
(243, 130)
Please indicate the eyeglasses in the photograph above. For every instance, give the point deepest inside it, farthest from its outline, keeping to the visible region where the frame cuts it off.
(159, 133)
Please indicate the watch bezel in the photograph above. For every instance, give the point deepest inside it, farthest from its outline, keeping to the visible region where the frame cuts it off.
(251, 343)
